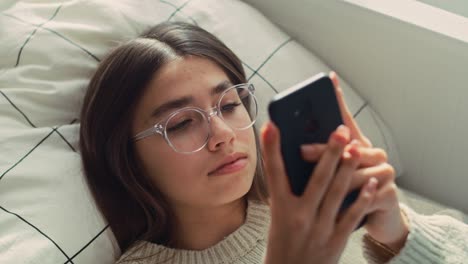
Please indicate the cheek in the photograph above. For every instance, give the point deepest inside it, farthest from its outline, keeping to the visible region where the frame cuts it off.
(247, 138)
(180, 177)
(162, 165)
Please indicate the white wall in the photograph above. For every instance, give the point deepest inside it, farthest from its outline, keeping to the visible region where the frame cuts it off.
(416, 79)
(459, 7)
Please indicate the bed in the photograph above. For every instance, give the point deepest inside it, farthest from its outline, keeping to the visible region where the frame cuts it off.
(49, 50)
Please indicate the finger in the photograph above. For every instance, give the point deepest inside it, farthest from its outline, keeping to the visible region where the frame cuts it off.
(275, 172)
(354, 214)
(338, 189)
(312, 152)
(356, 143)
(368, 156)
(384, 173)
(385, 197)
(372, 157)
(348, 118)
(326, 167)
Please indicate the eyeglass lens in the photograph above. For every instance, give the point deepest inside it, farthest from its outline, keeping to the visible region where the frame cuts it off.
(189, 130)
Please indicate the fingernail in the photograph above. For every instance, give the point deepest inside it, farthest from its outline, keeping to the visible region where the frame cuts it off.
(341, 134)
(267, 132)
(341, 128)
(355, 142)
(309, 149)
(372, 185)
(354, 152)
(347, 155)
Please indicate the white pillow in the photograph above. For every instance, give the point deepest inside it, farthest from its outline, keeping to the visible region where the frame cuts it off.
(48, 52)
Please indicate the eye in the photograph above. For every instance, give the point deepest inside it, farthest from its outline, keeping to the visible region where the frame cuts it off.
(179, 126)
(230, 107)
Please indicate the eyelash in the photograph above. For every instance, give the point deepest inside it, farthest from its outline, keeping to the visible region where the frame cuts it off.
(230, 107)
(181, 125)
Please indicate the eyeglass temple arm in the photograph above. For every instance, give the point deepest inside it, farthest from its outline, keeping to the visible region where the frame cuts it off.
(148, 132)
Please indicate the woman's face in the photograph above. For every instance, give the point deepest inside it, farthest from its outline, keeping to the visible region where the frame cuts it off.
(198, 179)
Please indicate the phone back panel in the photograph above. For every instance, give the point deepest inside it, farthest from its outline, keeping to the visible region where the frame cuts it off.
(306, 113)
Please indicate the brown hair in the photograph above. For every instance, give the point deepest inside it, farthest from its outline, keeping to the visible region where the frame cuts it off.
(133, 206)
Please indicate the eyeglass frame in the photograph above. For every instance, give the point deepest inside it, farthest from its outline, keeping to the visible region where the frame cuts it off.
(160, 127)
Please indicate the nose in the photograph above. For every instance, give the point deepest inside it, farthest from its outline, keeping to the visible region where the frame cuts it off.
(221, 133)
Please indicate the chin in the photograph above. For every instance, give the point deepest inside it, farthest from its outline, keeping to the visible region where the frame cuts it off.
(233, 190)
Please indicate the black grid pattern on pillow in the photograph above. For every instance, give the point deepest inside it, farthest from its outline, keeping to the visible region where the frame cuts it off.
(71, 256)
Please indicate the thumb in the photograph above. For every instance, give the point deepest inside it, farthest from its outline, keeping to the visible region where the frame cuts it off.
(274, 166)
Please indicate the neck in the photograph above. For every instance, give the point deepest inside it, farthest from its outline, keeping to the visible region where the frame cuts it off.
(199, 228)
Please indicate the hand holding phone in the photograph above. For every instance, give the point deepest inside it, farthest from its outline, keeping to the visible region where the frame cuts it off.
(306, 113)
(310, 226)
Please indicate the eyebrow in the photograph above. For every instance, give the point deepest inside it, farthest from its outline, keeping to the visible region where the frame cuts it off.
(221, 87)
(186, 100)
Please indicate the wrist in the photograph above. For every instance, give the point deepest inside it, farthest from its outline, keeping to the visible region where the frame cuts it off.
(377, 249)
(399, 243)
(395, 244)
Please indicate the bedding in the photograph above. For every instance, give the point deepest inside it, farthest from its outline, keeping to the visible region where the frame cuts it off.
(49, 50)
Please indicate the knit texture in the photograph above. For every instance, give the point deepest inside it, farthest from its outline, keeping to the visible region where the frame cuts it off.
(437, 239)
(245, 245)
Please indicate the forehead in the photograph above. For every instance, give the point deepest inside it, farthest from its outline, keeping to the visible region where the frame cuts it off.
(184, 76)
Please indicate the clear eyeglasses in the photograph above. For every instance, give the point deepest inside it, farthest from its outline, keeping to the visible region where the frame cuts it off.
(187, 130)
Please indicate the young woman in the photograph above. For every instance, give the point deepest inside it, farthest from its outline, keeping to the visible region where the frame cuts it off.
(173, 160)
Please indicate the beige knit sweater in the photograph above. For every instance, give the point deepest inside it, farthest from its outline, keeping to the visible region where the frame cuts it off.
(432, 239)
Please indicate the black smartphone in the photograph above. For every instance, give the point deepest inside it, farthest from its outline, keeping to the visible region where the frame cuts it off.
(308, 112)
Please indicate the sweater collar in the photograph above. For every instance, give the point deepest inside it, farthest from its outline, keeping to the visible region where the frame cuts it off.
(232, 247)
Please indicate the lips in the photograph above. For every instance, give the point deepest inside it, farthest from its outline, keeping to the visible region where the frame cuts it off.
(231, 163)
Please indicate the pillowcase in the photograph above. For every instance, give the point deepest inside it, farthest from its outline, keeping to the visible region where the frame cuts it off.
(49, 51)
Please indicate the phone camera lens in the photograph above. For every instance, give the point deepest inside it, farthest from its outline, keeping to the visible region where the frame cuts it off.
(311, 126)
